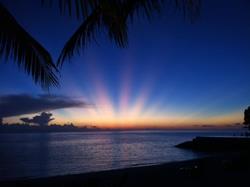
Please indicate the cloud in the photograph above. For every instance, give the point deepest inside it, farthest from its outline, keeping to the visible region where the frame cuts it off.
(42, 119)
(20, 104)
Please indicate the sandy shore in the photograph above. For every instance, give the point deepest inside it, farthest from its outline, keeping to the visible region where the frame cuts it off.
(223, 170)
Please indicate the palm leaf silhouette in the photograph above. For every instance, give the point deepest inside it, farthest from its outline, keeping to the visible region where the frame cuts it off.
(27, 53)
(112, 18)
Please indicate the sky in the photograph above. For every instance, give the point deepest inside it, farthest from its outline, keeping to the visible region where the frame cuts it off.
(174, 73)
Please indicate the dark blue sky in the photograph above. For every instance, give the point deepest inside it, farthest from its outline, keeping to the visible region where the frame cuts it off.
(172, 70)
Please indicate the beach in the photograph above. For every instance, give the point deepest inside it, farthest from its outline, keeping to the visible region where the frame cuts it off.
(219, 170)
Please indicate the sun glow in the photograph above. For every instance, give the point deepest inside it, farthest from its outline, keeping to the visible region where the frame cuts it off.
(124, 105)
(131, 110)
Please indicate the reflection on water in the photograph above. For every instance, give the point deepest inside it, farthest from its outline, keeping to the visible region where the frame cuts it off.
(48, 154)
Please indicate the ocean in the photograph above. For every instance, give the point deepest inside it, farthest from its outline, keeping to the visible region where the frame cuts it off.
(49, 154)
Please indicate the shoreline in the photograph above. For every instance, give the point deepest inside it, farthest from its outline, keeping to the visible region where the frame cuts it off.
(215, 169)
(216, 144)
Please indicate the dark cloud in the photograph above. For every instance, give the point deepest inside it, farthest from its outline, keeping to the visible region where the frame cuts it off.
(14, 105)
(42, 119)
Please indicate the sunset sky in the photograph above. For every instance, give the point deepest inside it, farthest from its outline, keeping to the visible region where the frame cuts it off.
(172, 74)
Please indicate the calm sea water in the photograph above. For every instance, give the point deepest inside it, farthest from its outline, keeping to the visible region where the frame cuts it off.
(49, 154)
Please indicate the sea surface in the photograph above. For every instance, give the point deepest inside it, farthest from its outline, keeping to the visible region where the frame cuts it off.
(48, 154)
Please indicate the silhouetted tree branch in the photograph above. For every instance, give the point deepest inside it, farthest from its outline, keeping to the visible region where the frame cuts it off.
(106, 16)
(19, 45)
(112, 17)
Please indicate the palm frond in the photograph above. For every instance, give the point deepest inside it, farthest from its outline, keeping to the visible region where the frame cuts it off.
(112, 17)
(27, 53)
(82, 37)
(189, 8)
(78, 8)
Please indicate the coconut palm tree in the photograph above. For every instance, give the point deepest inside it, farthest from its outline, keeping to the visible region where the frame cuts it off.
(17, 45)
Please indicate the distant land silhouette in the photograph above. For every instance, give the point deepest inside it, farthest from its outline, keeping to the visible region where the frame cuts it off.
(39, 124)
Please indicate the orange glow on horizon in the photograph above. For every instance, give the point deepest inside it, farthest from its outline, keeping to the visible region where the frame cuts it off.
(131, 113)
(139, 122)
(155, 122)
